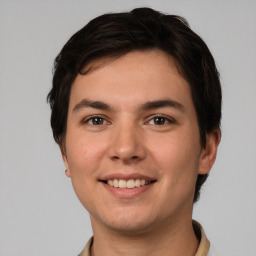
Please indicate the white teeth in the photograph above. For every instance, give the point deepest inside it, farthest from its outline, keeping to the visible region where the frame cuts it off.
(122, 184)
(110, 182)
(115, 183)
(127, 184)
(130, 184)
(137, 183)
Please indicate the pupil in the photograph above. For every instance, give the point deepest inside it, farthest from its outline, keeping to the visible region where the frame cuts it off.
(97, 121)
(159, 120)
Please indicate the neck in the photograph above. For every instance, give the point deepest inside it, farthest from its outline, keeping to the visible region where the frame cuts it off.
(176, 238)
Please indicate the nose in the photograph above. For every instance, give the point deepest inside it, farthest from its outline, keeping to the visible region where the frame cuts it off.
(127, 144)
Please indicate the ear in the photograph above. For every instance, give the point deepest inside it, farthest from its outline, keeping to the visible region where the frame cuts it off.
(65, 161)
(208, 154)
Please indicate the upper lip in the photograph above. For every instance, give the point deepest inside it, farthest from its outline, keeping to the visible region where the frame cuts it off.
(122, 176)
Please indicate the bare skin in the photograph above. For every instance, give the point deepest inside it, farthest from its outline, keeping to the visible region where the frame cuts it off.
(133, 120)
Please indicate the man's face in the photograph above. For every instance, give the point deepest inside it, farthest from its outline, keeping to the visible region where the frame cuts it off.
(132, 145)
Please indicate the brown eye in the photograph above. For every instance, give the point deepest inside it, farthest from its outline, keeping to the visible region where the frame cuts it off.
(96, 121)
(160, 120)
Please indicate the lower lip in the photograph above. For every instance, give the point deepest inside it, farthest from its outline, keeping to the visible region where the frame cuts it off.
(127, 192)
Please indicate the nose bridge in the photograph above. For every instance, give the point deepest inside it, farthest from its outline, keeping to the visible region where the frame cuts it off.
(127, 143)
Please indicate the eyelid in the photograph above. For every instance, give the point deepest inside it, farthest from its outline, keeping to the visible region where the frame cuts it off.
(90, 117)
(86, 120)
(170, 120)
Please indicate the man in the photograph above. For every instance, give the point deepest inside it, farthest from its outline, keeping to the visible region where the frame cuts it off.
(136, 108)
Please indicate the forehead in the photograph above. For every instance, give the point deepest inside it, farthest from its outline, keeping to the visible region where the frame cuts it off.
(132, 78)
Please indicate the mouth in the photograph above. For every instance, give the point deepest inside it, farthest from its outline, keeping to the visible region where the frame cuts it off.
(128, 184)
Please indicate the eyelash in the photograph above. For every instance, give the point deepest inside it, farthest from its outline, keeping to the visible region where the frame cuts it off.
(93, 118)
(167, 120)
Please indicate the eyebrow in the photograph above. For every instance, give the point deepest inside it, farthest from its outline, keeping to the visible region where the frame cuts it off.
(150, 105)
(85, 103)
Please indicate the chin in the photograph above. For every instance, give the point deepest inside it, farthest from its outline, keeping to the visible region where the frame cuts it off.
(128, 222)
(130, 227)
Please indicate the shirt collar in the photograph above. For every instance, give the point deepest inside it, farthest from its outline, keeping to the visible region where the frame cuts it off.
(204, 244)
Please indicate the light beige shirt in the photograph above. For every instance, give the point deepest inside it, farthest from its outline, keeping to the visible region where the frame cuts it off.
(202, 250)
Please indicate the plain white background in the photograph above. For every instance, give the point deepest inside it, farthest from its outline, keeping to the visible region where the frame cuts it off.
(39, 212)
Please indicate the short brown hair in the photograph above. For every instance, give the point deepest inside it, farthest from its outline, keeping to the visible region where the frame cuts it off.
(115, 34)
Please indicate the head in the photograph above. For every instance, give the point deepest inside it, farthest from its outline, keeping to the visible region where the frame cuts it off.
(111, 36)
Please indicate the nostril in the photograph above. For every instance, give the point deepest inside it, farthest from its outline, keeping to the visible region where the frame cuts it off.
(117, 157)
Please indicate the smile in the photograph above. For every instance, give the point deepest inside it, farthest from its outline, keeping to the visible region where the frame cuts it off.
(131, 183)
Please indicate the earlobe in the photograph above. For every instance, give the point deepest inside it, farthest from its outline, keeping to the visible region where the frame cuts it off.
(65, 161)
(67, 172)
(208, 154)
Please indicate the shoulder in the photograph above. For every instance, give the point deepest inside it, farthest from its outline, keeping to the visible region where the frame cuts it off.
(87, 248)
(213, 251)
(205, 247)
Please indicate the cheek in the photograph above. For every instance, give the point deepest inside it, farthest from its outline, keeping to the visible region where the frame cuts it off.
(83, 152)
(84, 155)
(178, 157)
